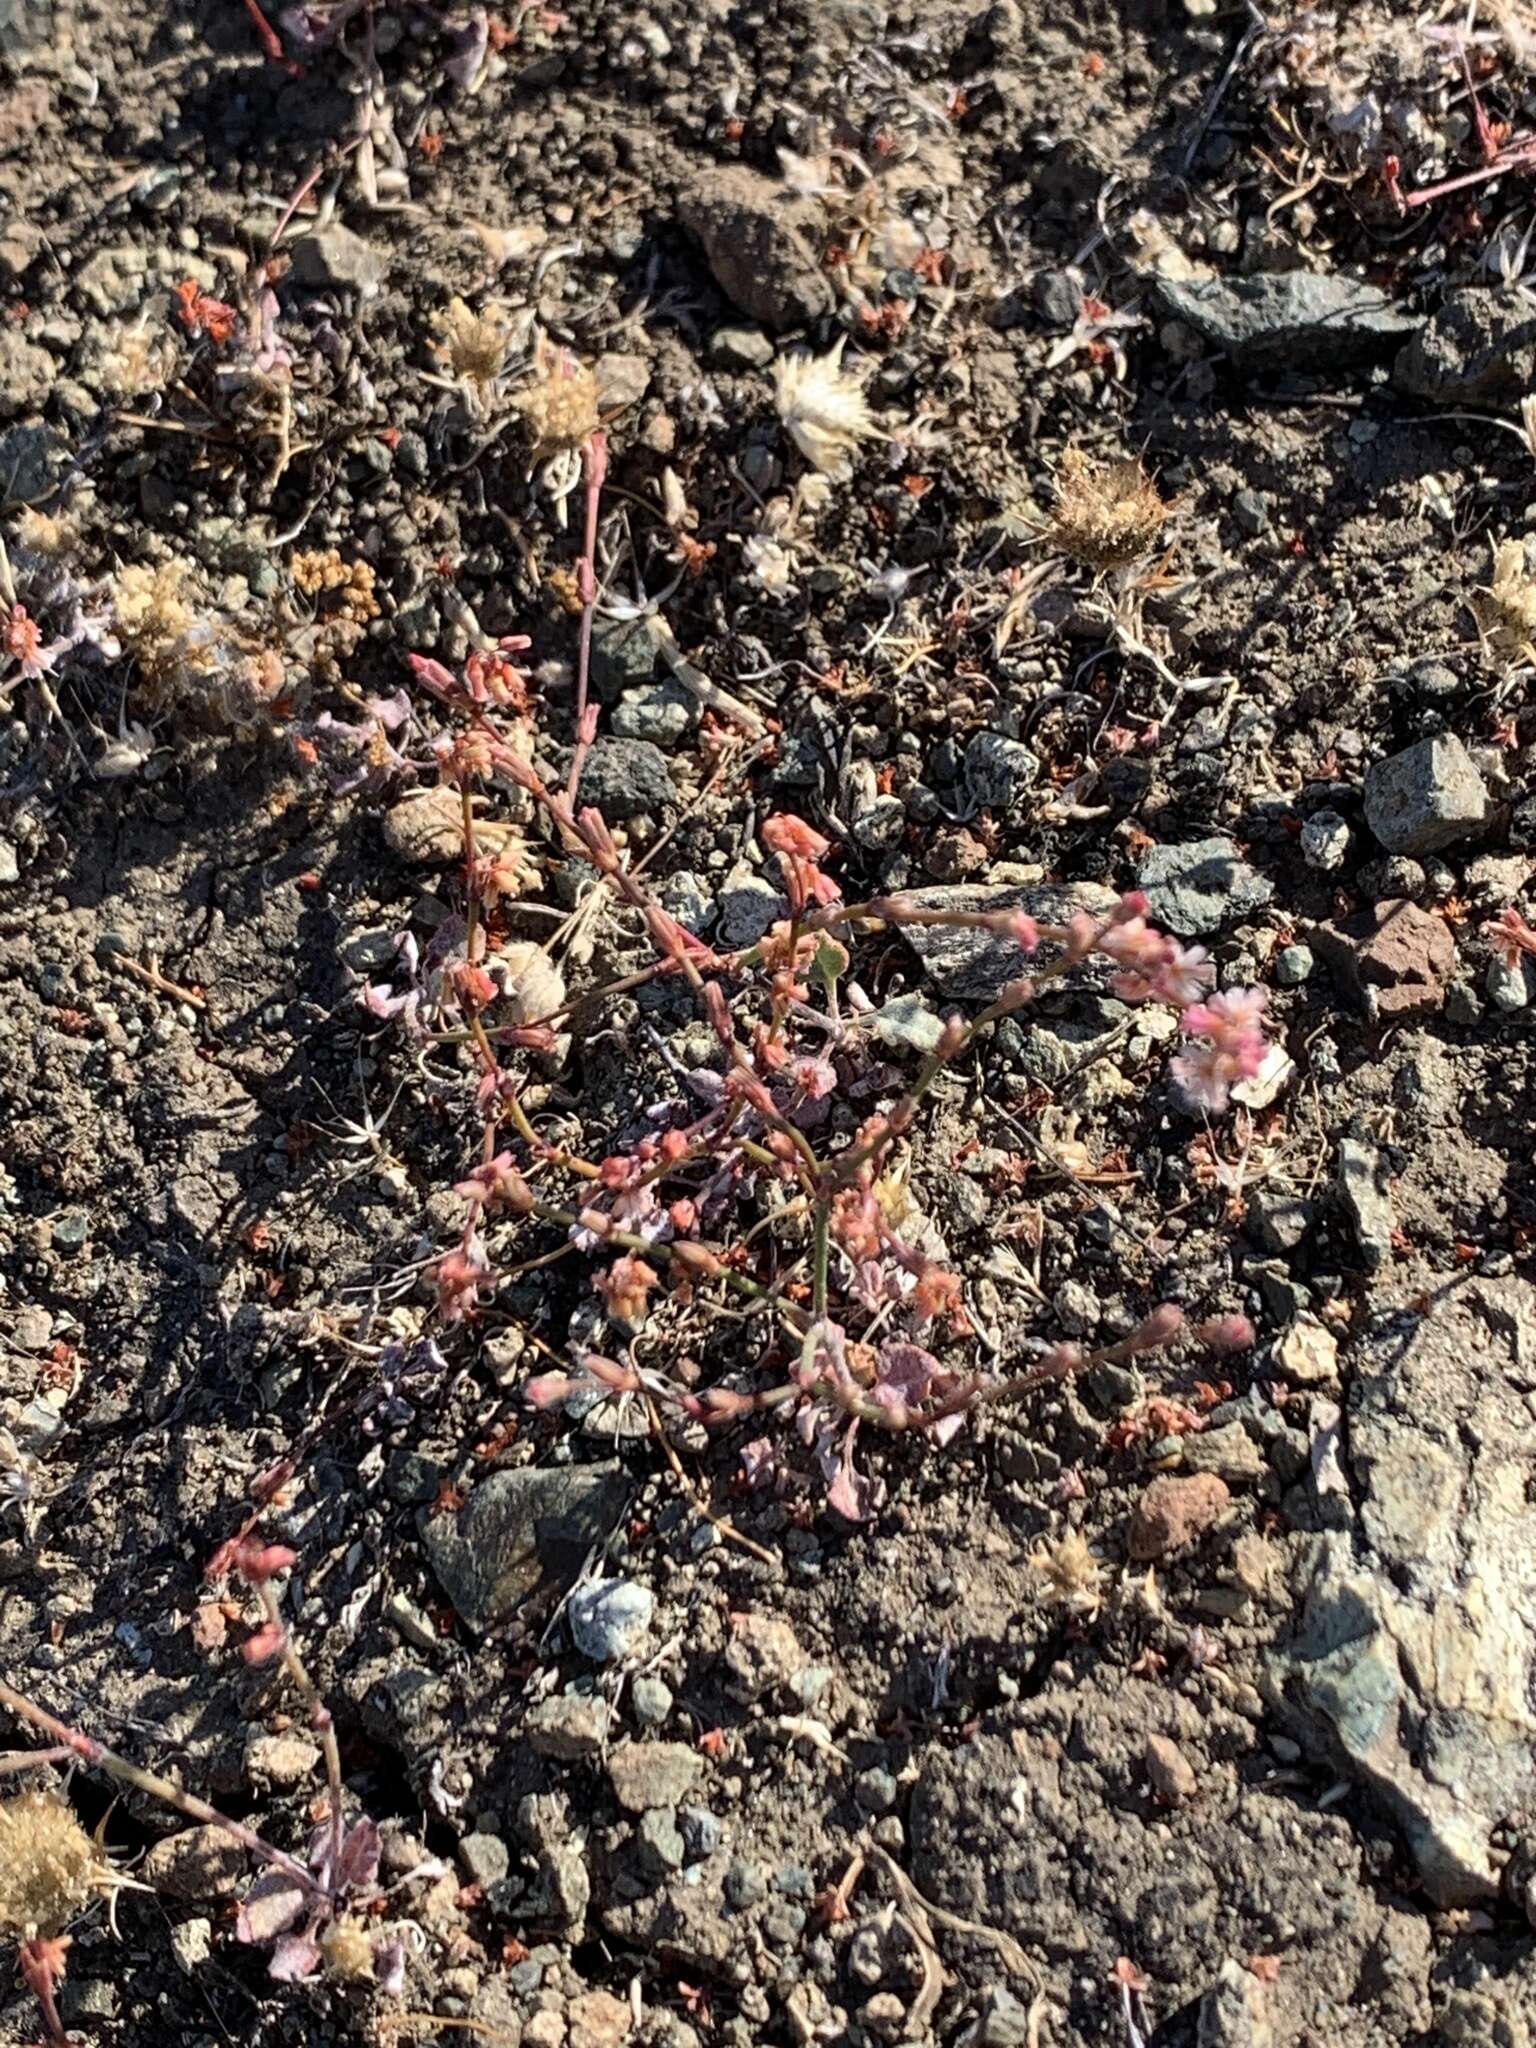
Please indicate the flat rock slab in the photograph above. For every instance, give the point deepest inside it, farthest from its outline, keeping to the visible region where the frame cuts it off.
(1294, 319)
(519, 1533)
(974, 965)
(761, 241)
(1413, 1668)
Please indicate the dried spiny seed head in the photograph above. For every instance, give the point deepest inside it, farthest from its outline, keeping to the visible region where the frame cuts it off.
(1505, 608)
(348, 1951)
(473, 345)
(824, 410)
(561, 407)
(49, 1866)
(1108, 514)
(1071, 1573)
(534, 984)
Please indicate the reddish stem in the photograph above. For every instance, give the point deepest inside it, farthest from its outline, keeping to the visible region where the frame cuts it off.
(270, 41)
(595, 463)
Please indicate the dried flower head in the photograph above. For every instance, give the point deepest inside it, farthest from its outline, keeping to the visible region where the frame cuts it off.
(348, 1951)
(1505, 608)
(561, 405)
(1070, 1572)
(1108, 514)
(322, 572)
(824, 410)
(473, 345)
(171, 638)
(534, 984)
(49, 1866)
(49, 535)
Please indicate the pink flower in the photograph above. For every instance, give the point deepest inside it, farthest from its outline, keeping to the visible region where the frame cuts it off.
(1510, 936)
(459, 1278)
(624, 1287)
(1230, 1047)
(785, 833)
(496, 1181)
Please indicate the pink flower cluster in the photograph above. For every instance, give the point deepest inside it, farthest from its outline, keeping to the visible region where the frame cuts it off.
(1153, 967)
(1227, 1045)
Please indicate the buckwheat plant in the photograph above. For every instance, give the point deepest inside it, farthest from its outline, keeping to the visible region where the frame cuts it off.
(664, 1212)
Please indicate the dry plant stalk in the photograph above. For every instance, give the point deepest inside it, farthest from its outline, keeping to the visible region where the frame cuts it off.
(1108, 514)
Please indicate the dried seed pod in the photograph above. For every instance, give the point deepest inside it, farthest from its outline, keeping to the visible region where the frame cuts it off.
(1108, 514)
(49, 1866)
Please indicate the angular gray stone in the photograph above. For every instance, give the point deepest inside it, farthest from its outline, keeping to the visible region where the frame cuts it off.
(337, 259)
(31, 464)
(1428, 796)
(1229, 1452)
(1201, 886)
(998, 771)
(763, 243)
(521, 1531)
(626, 779)
(1363, 1189)
(607, 1616)
(662, 712)
(1479, 348)
(569, 1727)
(749, 906)
(1232, 2011)
(740, 348)
(623, 657)
(973, 965)
(1413, 1667)
(1293, 319)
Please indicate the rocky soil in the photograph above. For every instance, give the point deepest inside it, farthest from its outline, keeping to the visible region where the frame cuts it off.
(1187, 1704)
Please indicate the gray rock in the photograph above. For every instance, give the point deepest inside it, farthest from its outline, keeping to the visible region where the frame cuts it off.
(569, 1727)
(1229, 1452)
(1201, 886)
(607, 1617)
(1294, 319)
(745, 1885)
(523, 1530)
(703, 1832)
(1251, 511)
(664, 712)
(652, 1699)
(1479, 2019)
(336, 259)
(1362, 1186)
(688, 898)
(749, 905)
(998, 771)
(974, 965)
(1325, 841)
(10, 866)
(1508, 985)
(26, 374)
(875, 1790)
(1428, 796)
(1392, 878)
(32, 460)
(1002, 2023)
(483, 1859)
(1278, 1223)
(883, 826)
(1294, 965)
(626, 779)
(1232, 2011)
(624, 657)
(659, 1842)
(1479, 348)
(622, 380)
(1413, 1667)
(1306, 1354)
(763, 245)
(651, 1774)
(740, 348)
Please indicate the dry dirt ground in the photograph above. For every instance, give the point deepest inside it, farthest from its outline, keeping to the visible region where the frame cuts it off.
(1192, 1704)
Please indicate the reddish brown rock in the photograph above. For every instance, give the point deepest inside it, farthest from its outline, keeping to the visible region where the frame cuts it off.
(1394, 960)
(1174, 1513)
